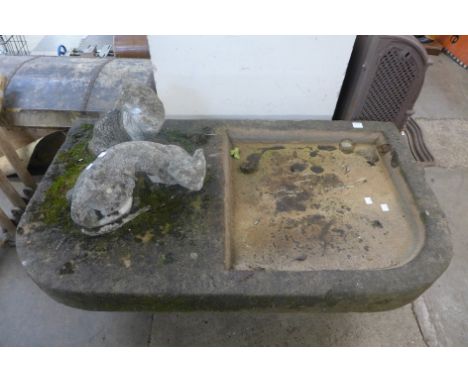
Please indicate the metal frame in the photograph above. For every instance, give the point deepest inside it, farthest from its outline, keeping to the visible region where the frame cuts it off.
(13, 45)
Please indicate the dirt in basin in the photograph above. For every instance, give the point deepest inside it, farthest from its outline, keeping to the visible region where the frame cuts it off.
(311, 207)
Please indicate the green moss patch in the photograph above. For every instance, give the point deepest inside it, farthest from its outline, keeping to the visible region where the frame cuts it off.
(55, 208)
(174, 212)
(190, 141)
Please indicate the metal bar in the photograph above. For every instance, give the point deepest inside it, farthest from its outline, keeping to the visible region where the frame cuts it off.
(14, 45)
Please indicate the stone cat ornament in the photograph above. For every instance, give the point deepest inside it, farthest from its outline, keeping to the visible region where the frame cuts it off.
(102, 198)
(138, 115)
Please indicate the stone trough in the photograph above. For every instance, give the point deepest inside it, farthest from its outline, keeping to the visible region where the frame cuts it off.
(310, 214)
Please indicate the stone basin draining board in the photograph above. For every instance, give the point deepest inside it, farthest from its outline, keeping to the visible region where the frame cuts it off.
(304, 208)
(178, 256)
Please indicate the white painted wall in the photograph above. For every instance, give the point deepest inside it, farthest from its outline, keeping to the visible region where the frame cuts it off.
(282, 77)
(33, 41)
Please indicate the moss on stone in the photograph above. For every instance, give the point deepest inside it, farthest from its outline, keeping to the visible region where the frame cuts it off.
(173, 210)
(197, 203)
(190, 141)
(55, 208)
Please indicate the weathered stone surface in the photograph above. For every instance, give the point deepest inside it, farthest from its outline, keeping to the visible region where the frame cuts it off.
(103, 193)
(31, 318)
(442, 311)
(172, 257)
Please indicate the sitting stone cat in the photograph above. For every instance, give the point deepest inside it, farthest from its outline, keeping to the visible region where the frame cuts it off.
(102, 198)
(138, 115)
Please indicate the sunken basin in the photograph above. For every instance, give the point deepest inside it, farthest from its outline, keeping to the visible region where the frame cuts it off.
(309, 214)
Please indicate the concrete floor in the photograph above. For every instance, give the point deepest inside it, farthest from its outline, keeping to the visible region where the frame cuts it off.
(438, 318)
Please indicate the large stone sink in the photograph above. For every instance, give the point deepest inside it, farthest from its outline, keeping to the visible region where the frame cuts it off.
(294, 223)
